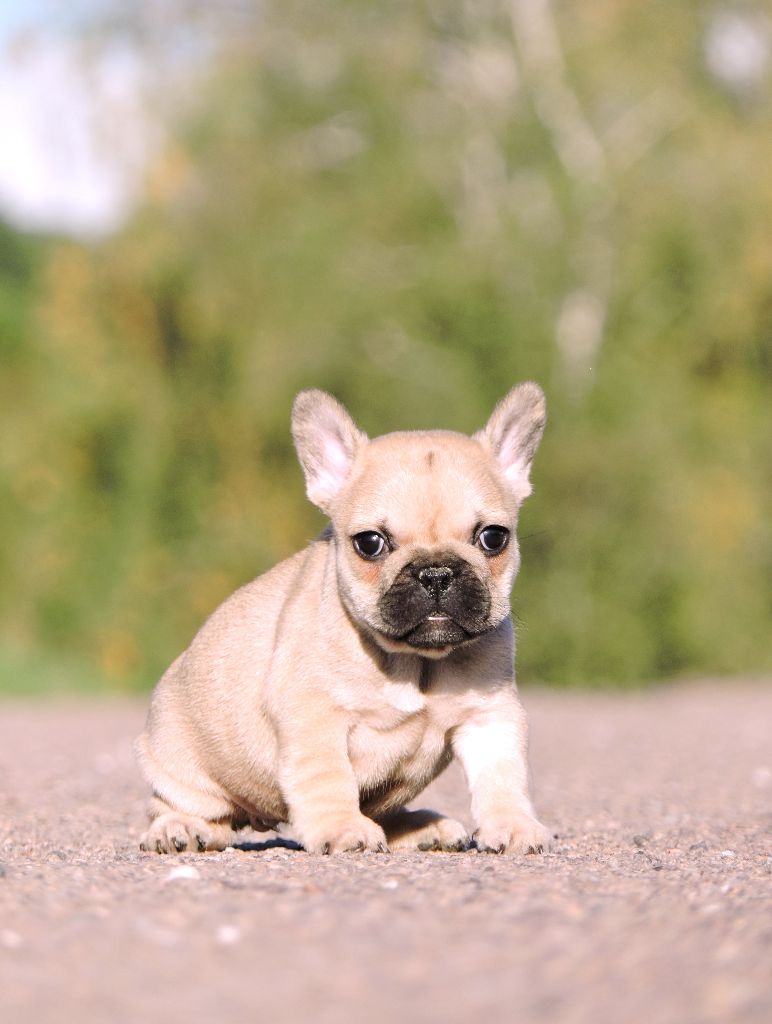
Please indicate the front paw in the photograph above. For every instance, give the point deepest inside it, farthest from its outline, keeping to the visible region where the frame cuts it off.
(516, 835)
(349, 834)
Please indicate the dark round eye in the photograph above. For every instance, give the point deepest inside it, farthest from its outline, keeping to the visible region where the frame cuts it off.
(369, 544)
(493, 539)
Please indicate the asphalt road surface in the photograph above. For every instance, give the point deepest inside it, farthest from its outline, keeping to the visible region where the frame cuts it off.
(655, 905)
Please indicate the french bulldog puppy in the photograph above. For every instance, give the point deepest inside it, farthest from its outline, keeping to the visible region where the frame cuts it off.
(325, 695)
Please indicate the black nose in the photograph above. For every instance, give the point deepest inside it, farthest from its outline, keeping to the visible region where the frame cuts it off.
(435, 578)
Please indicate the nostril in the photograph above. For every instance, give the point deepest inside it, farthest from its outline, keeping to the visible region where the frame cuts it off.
(435, 578)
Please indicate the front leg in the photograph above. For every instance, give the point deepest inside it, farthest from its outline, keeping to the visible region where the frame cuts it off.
(319, 787)
(492, 748)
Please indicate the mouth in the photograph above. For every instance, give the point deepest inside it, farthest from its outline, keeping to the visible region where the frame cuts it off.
(437, 630)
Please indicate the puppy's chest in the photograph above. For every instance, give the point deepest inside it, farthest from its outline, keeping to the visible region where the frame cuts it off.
(397, 736)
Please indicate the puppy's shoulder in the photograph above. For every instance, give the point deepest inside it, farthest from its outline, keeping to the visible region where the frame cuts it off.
(280, 582)
(260, 601)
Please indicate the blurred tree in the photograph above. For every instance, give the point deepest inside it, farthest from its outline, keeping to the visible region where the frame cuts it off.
(415, 207)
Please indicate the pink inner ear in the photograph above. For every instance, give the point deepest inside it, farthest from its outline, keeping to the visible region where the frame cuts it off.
(335, 456)
(334, 467)
(516, 476)
(513, 466)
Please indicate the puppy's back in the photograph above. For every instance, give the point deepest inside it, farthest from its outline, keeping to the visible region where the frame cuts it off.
(207, 707)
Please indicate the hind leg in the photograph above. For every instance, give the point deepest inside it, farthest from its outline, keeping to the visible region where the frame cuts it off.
(188, 811)
(172, 831)
(424, 830)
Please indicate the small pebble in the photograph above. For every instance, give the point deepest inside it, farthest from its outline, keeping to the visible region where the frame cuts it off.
(227, 935)
(639, 840)
(702, 845)
(727, 854)
(10, 939)
(390, 883)
(183, 872)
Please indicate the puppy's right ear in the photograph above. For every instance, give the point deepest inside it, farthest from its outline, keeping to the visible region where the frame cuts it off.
(327, 441)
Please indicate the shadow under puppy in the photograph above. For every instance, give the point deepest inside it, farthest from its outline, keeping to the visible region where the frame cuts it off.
(326, 694)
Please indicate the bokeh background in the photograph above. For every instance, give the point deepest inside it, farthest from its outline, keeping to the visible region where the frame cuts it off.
(207, 206)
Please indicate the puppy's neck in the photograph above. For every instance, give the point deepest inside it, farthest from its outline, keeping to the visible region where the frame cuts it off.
(396, 668)
(425, 675)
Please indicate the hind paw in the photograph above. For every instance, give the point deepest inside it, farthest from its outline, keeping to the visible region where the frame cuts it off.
(181, 833)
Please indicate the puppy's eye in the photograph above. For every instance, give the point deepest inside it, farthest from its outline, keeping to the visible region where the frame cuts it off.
(493, 539)
(369, 544)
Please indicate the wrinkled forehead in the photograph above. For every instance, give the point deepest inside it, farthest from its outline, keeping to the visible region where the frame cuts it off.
(426, 487)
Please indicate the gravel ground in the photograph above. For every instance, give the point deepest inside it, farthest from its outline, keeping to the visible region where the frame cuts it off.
(656, 904)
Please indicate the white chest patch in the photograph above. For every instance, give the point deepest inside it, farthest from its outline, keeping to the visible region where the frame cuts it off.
(402, 698)
(383, 707)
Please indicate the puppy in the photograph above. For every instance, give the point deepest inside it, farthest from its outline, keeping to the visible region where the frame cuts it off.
(326, 694)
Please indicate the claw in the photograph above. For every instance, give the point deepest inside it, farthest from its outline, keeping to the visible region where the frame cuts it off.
(461, 846)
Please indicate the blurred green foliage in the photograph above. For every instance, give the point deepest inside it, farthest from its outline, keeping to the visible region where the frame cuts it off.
(415, 206)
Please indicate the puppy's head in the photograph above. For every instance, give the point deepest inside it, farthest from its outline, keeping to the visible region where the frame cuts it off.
(423, 522)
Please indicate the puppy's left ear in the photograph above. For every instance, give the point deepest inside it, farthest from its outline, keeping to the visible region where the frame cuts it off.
(327, 441)
(513, 433)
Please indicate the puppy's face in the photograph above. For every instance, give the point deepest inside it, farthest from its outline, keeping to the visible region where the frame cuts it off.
(423, 523)
(425, 541)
